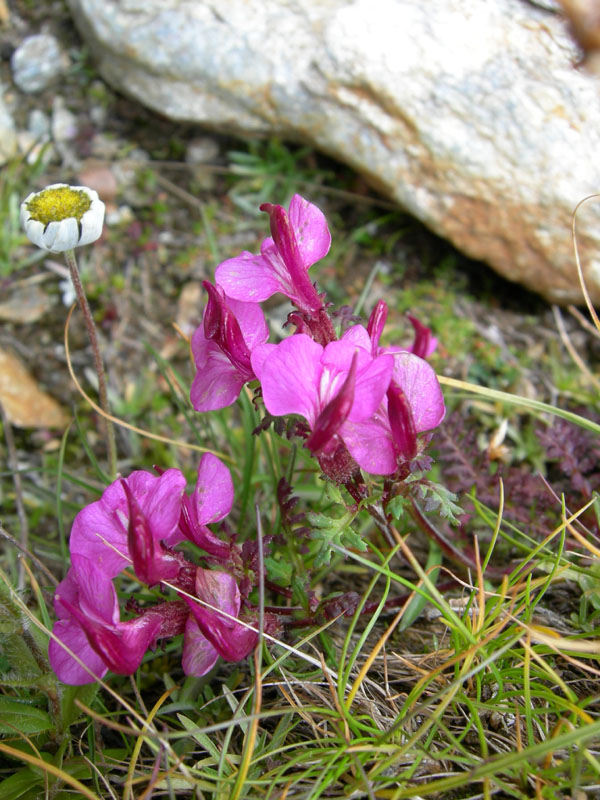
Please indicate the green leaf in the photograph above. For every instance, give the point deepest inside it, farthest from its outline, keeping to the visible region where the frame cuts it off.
(397, 506)
(69, 694)
(195, 731)
(333, 532)
(419, 601)
(279, 570)
(22, 782)
(438, 498)
(18, 667)
(17, 715)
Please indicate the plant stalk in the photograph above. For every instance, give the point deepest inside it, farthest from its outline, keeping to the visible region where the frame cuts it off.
(107, 426)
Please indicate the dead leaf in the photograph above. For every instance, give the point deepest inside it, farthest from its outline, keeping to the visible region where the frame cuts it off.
(26, 305)
(25, 404)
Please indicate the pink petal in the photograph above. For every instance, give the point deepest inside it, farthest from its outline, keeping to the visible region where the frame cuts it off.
(231, 640)
(289, 375)
(131, 641)
(372, 378)
(199, 656)
(358, 336)
(98, 534)
(71, 634)
(310, 229)
(256, 277)
(218, 589)
(213, 494)
(96, 594)
(206, 539)
(251, 320)
(418, 381)
(248, 277)
(371, 385)
(99, 531)
(68, 588)
(159, 499)
(259, 355)
(217, 383)
(370, 444)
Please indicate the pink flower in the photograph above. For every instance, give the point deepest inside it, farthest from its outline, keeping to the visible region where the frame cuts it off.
(89, 625)
(210, 634)
(144, 503)
(413, 404)
(136, 522)
(222, 346)
(211, 501)
(300, 238)
(152, 562)
(331, 387)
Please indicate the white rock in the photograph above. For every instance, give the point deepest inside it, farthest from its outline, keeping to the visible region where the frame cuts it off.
(472, 116)
(38, 62)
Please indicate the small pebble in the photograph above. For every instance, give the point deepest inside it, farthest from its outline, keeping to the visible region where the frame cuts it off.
(37, 63)
(201, 151)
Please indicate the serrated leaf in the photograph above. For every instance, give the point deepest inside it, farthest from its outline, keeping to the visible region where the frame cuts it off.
(396, 506)
(438, 498)
(17, 715)
(333, 532)
(278, 570)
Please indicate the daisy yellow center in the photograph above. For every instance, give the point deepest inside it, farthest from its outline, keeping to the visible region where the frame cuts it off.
(54, 205)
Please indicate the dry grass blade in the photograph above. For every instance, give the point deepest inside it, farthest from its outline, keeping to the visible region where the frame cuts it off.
(147, 434)
(586, 295)
(47, 767)
(571, 349)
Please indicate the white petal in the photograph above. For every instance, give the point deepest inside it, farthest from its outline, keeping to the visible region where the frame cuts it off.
(35, 232)
(24, 216)
(92, 222)
(25, 213)
(61, 236)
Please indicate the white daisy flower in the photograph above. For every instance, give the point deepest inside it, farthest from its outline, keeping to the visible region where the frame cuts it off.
(62, 217)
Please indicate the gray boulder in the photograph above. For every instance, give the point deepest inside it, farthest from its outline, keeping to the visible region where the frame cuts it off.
(471, 116)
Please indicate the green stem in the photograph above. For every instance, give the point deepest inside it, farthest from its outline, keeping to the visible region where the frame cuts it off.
(108, 428)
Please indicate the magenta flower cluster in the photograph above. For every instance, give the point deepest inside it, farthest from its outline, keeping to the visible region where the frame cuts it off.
(365, 404)
(135, 526)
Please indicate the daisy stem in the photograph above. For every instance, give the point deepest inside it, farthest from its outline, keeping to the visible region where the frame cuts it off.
(108, 428)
